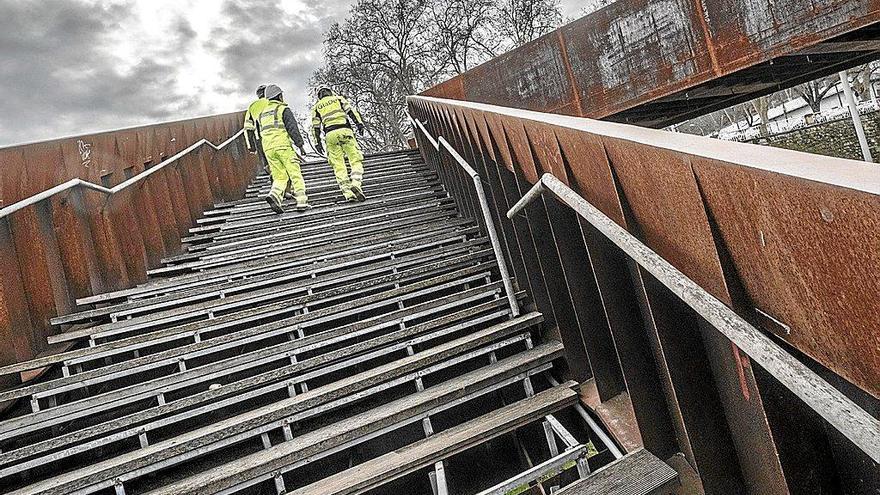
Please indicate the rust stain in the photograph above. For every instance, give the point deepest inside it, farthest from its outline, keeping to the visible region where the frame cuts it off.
(82, 241)
(635, 51)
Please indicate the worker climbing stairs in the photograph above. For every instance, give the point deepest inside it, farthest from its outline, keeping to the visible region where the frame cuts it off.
(350, 348)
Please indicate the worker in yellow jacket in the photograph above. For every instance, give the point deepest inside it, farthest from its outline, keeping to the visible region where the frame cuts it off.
(279, 133)
(251, 133)
(336, 116)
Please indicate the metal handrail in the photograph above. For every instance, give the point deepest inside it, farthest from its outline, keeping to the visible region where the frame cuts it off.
(848, 418)
(439, 143)
(41, 196)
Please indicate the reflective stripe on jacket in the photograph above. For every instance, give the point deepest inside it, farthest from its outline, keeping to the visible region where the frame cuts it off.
(333, 112)
(271, 125)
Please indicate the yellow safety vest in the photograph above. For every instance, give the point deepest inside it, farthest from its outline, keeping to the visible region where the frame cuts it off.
(253, 113)
(332, 111)
(272, 131)
(250, 117)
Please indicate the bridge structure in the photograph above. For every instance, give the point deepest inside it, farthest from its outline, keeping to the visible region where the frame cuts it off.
(529, 302)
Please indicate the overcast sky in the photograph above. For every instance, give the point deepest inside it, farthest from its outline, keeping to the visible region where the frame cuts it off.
(77, 66)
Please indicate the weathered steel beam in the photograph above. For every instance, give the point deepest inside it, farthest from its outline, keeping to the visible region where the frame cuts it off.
(611, 63)
(757, 229)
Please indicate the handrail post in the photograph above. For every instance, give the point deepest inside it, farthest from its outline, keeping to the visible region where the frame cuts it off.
(853, 422)
(36, 198)
(484, 208)
(496, 247)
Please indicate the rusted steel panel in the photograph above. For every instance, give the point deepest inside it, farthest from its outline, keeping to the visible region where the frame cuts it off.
(789, 232)
(193, 180)
(168, 175)
(580, 279)
(745, 33)
(31, 250)
(12, 178)
(452, 89)
(669, 214)
(16, 326)
(541, 80)
(113, 270)
(807, 254)
(35, 167)
(539, 225)
(488, 172)
(205, 179)
(94, 158)
(75, 245)
(590, 172)
(119, 214)
(158, 190)
(635, 51)
(660, 190)
(147, 216)
(43, 169)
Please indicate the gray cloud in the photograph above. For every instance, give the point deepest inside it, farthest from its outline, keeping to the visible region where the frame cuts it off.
(59, 68)
(58, 74)
(264, 44)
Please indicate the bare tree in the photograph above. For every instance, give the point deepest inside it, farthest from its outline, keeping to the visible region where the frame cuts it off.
(861, 82)
(386, 50)
(762, 108)
(466, 34)
(814, 92)
(521, 21)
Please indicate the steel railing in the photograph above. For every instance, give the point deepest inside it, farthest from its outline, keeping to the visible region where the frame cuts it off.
(439, 144)
(574, 450)
(842, 413)
(36, 198)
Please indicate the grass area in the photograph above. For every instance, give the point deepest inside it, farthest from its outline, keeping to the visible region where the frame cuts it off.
(525, 487)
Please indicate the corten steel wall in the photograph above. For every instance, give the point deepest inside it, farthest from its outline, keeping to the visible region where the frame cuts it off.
(81, 241)
(107, 158)
(635, 51)
(766, 231)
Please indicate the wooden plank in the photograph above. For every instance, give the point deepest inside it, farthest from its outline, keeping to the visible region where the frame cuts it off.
(191, 408)
(281, 455)
(272, 415)
(157, 360)
(308, 256)
(266, 295)
(232, 365)
(638, 473)
(442, 445)
(404, 274)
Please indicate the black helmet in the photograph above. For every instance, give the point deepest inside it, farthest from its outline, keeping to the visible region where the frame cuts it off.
(324, 91)
(261, 91)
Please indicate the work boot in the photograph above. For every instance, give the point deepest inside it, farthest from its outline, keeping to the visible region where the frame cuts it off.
(358, 192)
(275, 204)
(302, 206)
(348, 194)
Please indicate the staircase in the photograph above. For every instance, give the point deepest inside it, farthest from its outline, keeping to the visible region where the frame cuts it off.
(349, 348)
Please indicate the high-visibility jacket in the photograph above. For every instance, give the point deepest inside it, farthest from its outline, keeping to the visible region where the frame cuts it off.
(251, 133)
(333, 112)
(277, 127)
